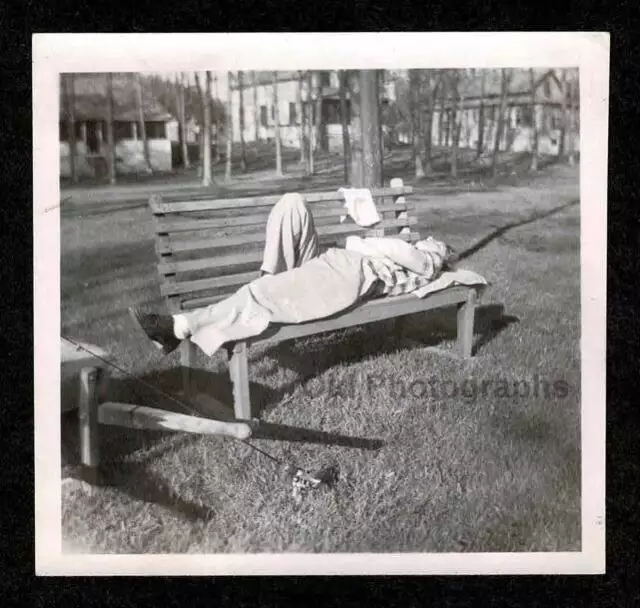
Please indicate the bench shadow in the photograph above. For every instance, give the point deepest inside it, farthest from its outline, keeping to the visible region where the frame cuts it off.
(346, 347)
(281, 432)
(116, 443)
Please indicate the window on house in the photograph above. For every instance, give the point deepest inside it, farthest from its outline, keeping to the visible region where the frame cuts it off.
(526, 116)
(64, 131)
(331, 112)
(155, 130)
(547, 87)
(273, 112)
(122, 130)
(263, 116)
(325, 79)
(293, 119)
(93, 144)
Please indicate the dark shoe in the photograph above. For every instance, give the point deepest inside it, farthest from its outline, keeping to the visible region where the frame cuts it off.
(159, 329)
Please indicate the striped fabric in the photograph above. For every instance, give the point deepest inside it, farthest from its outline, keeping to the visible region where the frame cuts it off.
(394, 280)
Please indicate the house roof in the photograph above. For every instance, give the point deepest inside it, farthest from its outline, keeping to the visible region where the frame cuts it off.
(520, 85)
(91, 102)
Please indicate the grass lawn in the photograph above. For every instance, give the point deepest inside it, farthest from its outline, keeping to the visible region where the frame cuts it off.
(477, 455)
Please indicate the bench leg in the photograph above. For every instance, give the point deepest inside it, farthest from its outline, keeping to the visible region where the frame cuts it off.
(398, 327)
(187, 359)
(88, 424)
(466, 315)
(239, 372)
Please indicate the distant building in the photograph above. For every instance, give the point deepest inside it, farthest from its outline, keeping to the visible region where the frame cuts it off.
(90, 114)
(258, 102)
(517, 134)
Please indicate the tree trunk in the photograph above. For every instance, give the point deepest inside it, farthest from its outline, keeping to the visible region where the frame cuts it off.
(229, 130)
(357, 171)
(346, 144)
(201, 129)
(441, 116)
(276, 125)
(504, 90)
(416, 124)
(243, 157)
(143, 128)
(217, 122)
(321, 140)
(70, 99)
(111, 144)
(481, 116)
(562, 148)
(573, 131)
(456, 121)
(301, 119)
(434, 84)
(183, 121)
(256, 108)
(371, 129)
(206, 158)
(310, 123)
(534, 123)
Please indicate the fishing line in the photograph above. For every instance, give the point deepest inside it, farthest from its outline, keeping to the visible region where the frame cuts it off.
(178, 401)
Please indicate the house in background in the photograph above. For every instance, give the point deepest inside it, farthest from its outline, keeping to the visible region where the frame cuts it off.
(520, 116)
(258, 102)
(90, 115)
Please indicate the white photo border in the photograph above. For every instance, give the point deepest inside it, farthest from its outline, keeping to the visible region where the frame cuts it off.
(58, 53)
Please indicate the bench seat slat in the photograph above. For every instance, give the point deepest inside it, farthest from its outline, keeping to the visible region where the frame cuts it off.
(169, 245)
(175, 204)
(369, 312)
(165, 226)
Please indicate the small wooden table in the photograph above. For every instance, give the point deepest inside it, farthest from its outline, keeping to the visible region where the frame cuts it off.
(84, 380)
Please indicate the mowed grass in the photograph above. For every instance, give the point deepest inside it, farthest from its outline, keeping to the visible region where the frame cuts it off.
(490, 468)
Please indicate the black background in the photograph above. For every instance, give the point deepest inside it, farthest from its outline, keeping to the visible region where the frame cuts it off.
(19, 20)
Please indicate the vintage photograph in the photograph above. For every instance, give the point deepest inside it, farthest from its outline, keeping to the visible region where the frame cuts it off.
(321, 311)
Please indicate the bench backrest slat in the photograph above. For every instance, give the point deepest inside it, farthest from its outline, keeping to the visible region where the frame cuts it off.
(163, 205)
(168, 245)
(169, 226)
(208, 248)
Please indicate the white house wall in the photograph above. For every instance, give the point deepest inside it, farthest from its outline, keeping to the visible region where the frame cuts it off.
(83, 167)
(129, 157)
(287, 93)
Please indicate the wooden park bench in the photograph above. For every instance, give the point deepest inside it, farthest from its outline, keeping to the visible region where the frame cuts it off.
(208, 248)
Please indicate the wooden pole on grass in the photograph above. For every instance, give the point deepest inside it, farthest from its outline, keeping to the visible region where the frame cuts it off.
(88, 424)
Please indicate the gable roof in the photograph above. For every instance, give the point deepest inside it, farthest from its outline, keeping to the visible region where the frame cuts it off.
(520, 85)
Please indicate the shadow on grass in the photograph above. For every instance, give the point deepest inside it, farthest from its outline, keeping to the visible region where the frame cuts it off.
(214, 401)
(352, 346)
(281, 432)
(139, 483)
(483, 242)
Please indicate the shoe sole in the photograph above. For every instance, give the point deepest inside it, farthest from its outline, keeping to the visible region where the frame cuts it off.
(135, 316)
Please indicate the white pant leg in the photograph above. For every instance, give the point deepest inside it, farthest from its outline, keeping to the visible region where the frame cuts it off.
(291, 238)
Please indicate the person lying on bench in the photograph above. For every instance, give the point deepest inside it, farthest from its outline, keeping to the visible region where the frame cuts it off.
(299, 283)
